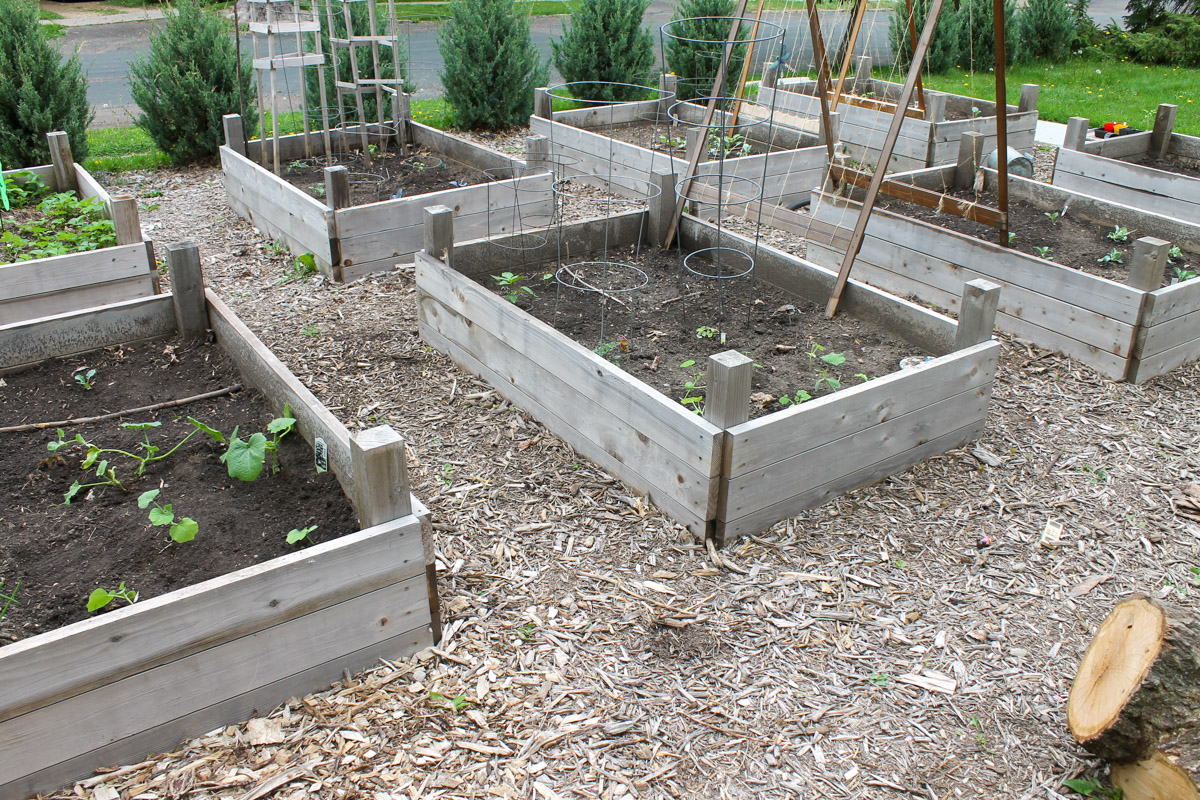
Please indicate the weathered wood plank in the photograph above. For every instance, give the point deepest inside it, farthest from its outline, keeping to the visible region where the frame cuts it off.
(264, 370)
(1150, 189)
(44, 277)
(31, 341)
(1171, 302)
(684, 514)
(275, 206)
(76, 299)
(459, 149)
(90, 187)
(48, 736)
(1184, 146)
(45, 172)
(1131, 144)
(758, 444)
(1155, 339)
(77, 658)
(608, 114)
(627, 400)
(811, 467)
(766, 517)
(1145, 367)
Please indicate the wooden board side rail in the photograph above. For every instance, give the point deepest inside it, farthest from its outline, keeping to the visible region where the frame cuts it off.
(924, 197)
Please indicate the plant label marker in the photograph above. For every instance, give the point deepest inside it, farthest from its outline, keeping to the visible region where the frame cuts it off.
(321, 454)
(3, 189)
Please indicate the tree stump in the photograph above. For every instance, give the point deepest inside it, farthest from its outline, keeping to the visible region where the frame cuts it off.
(1136, 699)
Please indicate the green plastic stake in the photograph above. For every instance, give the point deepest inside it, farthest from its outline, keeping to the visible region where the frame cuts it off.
(3, 188)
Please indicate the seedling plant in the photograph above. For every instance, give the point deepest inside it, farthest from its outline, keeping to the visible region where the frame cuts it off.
(727, 146)
(508, 282)
(1114, 256)
(693, 388)
(69, 225)
(1118, 234)
(299, 534)
(101, 597)
(612, 350)
(86, 379)
(8, 597)
(181, 530)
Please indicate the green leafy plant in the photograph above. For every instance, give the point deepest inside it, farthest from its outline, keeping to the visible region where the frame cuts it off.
(299, 534)
(41, 90)
(491, 65)
(188, 81)
(879, 678)
(606, 43)
(1053, 217)
(303, 266)
(86, 379)
(311, 330)
(795, 399)
(25, 188)
(1174, 254)
(101, 597)
(69, 225)
(446, 478)
(727, 146)
(458, 703)
(1114, 256)
(181, 530)
(245, 459)
(318, 189)
(9, 597)
(1184, 274)
(693, 388)
(1044, 252)
(1012, 237)
(706, 332)
(1091, 788)
(672, 142)
(508, 281)
(1045, 30)
(1118, 234)
(612, 350)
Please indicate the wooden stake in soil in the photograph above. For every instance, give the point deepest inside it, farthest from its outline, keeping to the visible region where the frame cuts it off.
(1136, 699)
(380, 471)
(64, 164)
(818, 43)
(854, 28)
(187, 289)
(885, 155)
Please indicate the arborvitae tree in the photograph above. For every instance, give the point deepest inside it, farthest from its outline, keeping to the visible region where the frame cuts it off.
(606, 42)
(360, 19)
(943, 47)
(188, 82)
(490, 64)
(976, 35)
(38, 94)
(695, 56)
(1045, 30)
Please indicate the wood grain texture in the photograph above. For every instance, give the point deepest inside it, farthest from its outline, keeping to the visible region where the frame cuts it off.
(48, 286)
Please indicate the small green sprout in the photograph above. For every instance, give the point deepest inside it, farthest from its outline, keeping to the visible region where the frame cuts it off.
(693, 394)
(508, 281)
(1174, 254)
(706, 332)
(1044, 252)
(1053, 217)
(1090, 788)
(1118, 234)
(800, 396)
(181, 530)
(1114, 256)
(100, 597)
(9, 598)
(86, 379)
(299, 534)
(879, 678)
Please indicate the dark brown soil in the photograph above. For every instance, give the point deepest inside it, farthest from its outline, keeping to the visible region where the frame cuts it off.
(392, 174)
(60, 553)
(678, 318)
(1073, 242)
(1181, 166)
(668, 139)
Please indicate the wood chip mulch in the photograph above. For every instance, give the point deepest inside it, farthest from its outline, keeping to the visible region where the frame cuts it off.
(866, 649)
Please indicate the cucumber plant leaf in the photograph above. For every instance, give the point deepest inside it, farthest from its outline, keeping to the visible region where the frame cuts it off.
(244, 458)
(184, 530)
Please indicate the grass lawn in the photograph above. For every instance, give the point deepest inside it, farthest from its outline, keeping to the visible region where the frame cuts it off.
(116, 149)
(1102, 91)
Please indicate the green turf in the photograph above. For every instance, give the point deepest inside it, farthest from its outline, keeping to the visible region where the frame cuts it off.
(1101, 90)
(117, 149)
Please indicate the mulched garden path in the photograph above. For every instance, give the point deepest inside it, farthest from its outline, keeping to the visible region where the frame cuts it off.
(59, 553)
(391, 175)
(792, 680)
(1073, 242)
(680, 317)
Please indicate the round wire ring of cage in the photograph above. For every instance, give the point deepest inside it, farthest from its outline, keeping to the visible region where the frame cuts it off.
(388, 132)
(724, 104)
(722, 184)
(635, 190)
(581, 91)
(336, 159)
(506, 184)
(767, 31)
(577, 277)
(744, 261)
(365, 185)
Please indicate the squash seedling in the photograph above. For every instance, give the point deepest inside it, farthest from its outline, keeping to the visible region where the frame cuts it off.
(693, 388)
(1118, 234)
(182, 530)
(244, 460)
(100, 597)
(299, 534)
(1114, 256)
(86, 379)
(800, 396)
(508, 282)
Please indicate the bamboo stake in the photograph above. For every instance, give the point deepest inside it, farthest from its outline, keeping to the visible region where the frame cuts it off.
(741, 87)
(1001, 121)
(841, 81)
(889, 144)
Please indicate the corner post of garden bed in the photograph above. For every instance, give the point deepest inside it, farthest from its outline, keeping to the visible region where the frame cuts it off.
(1160, 136)
(380, 468)
(977, 313)
(1077, 128)
(337, 187)
(125, 220)
(64, 164)
(235, 133)
(1029, 97)
(439, 233)
(862, 75)
(726, 404)
(668, 85)
(970, 159)
(187, 289)
(537, 152)
(935, 106)
(1148, 263)
(543, 105)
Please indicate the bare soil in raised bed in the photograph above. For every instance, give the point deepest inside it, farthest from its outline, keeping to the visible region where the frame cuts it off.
(1180, 166)
(59, 553)
(678, 317)
(1073, 242)
(392, 174)
(671, 139)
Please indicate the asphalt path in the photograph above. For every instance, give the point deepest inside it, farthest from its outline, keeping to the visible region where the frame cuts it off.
(106, 50)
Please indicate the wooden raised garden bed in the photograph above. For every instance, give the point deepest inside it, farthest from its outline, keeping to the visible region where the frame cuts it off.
(47, 286)
(718, 474)
(578, 144)
(925, 140)
(147, 676)
(1132, 330)
(1168, 183)
(349, 241)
